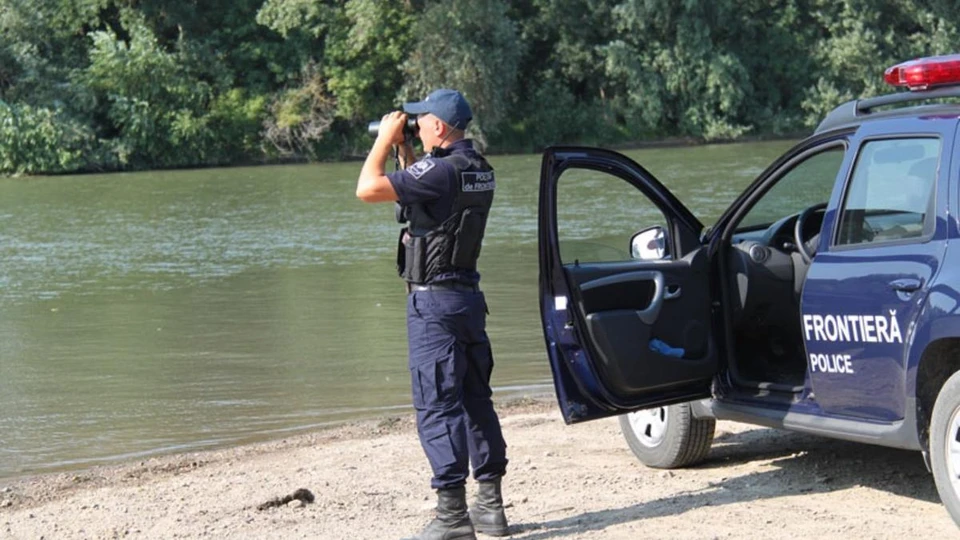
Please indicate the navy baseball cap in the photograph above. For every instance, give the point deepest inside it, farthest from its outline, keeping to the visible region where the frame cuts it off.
(447, 105)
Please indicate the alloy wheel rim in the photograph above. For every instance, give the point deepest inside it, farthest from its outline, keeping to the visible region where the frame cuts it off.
(952, 451)
(650, 426)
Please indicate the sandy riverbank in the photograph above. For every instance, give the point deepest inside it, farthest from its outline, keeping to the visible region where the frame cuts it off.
(370, 481)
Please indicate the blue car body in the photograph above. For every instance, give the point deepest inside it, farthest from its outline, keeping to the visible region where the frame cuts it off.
(854, 343)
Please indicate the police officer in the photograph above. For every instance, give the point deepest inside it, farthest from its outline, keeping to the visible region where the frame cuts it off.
(444, 199)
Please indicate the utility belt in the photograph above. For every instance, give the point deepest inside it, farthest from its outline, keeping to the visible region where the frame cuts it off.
(442, 286)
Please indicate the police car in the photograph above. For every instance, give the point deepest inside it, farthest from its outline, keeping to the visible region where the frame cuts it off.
(825, 299)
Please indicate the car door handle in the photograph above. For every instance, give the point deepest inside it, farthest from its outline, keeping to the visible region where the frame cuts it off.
(649, 314)
(671, 292)
(907, 285)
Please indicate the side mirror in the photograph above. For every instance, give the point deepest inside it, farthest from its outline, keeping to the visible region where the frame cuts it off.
(650, 244)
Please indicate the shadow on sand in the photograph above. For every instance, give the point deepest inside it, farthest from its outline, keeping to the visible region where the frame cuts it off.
(804, 464)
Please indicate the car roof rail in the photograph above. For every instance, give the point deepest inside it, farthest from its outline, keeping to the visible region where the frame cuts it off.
(854, 111)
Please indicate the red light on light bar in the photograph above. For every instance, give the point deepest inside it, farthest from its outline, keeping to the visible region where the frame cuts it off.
(925, 73)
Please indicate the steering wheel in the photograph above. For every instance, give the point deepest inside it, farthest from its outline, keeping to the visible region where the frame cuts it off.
(806, 255)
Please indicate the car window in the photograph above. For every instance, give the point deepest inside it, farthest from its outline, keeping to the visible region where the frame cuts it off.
(890, 196)
(597, 214)
(805, 184)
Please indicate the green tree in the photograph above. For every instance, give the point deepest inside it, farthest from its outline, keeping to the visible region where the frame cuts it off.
(363, 57)
(862, 37)
(470, 45)
(42, 42)
(673, 70)
(301, 116)
(353, 72)
(146, 95)
(561, 93)
(107, 84)
(38, 140)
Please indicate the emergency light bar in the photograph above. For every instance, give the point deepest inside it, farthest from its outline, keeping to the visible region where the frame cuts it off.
(924, 73)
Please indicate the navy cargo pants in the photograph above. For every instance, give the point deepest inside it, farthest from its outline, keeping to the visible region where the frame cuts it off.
(450, 366)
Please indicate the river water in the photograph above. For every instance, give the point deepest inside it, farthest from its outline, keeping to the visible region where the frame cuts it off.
(155, 312)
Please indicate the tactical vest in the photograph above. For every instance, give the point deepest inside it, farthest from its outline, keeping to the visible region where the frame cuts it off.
(429, 247)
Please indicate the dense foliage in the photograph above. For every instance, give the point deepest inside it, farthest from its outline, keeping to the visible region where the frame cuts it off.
(129, 84)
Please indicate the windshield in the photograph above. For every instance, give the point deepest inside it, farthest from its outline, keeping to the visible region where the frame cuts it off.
(808, 182)
(708, 178)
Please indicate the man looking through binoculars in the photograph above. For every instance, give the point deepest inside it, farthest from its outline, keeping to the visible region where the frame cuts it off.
(444, 199)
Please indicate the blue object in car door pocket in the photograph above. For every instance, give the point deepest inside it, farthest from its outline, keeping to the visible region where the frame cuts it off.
(659, 346)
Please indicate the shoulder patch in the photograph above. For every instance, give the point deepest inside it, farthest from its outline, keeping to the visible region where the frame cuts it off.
(472, 182)
(421, 167)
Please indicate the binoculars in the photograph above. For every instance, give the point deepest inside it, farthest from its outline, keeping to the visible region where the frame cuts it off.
(410, 129)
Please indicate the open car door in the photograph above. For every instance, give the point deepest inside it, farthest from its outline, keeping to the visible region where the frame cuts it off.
(628, 326)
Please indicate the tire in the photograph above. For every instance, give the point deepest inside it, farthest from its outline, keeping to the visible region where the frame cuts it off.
(945, 445)
(668, 437)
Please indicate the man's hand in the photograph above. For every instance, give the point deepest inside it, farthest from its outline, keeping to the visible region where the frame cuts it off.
(373, 184)
(391, 128)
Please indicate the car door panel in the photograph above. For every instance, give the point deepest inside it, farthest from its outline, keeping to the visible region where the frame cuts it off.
(615, 330)
(623, 312)
(865, 290)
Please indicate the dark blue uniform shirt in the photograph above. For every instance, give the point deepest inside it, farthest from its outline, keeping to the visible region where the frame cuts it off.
(433, 183)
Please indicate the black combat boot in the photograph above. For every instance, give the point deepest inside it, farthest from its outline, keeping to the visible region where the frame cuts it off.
(487, 513)
(452, 521)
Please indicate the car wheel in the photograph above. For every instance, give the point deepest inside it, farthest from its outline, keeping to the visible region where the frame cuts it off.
(945, 445)
(668, 437)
